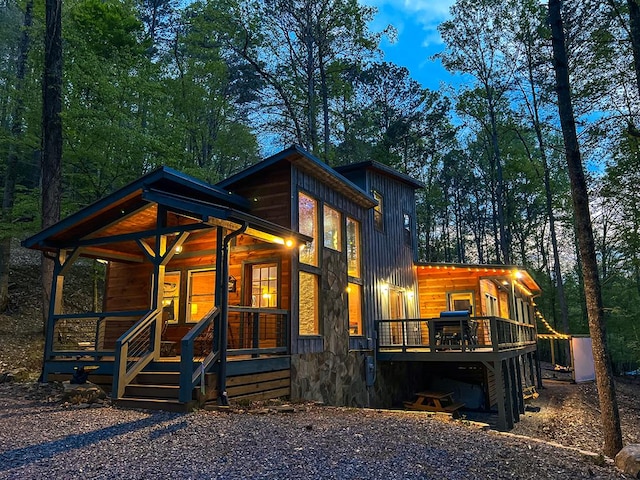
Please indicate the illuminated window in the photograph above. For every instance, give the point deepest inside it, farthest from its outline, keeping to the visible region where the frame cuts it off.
(378, 212)
(264, 286)
(201, 294)
(307, 225)
(308, 305)
(171, 297)
(353, 248)
(332, 229)
(355, 309)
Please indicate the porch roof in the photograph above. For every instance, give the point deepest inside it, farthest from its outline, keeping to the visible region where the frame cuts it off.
(497, 271)
(110, 227)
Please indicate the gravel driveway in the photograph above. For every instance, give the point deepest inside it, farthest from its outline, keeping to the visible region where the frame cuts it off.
(46, 440)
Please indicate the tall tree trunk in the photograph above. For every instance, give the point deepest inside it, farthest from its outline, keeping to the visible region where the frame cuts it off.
(634, 34)
(610, 416)
(51, 132)
(17, 131)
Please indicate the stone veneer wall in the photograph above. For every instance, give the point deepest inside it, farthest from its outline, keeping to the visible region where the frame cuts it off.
(334, 376)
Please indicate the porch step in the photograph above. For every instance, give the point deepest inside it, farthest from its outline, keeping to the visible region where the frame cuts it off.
(156, 404)
(158, 378)
(137, 390)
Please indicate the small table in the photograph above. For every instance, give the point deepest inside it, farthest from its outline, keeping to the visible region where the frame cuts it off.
(435, 402)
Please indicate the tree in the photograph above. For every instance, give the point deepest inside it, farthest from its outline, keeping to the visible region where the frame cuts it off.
(604, 377)
(11, 173)
(474, 39)
(51, 170)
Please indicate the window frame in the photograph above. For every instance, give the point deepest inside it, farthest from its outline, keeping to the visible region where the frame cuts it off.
(357, 246)
(313, 246)
(378, 211)
(317, 330)
(189, 295)
(327, 214)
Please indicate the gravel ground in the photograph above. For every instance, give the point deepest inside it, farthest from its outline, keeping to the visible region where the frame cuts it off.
(40, 439)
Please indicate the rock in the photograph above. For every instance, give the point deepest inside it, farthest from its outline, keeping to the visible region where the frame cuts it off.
(628, 460)
(83, 393)
(284, 409)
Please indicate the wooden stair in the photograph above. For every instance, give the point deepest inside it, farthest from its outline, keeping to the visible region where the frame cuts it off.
(155, 390)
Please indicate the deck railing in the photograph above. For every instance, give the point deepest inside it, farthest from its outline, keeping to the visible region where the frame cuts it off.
(199, 350)
(85, 334)
(135, 349)
(258, 331)
(465, 334)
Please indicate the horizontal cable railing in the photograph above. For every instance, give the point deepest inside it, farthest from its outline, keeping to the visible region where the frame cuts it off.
(88, 334)
(256, 331)
(134, 350)
(454, 333)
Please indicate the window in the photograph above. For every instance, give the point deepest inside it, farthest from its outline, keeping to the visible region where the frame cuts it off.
(332, 229)
(461, 301)
(406, 230)
(264, 285)
(354, 296)
(308, 306)
(201, 294)
(307, 225)
(353, 248)
(491, 305)
(171, 297)
(378, 212)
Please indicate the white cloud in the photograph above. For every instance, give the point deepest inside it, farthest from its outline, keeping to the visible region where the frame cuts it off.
(427, 13)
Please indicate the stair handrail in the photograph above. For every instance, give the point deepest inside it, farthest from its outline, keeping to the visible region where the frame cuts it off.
(191, 372)
(129, 364)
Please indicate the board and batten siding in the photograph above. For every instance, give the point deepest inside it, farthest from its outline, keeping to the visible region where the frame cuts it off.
(389, 259)
(324, 195)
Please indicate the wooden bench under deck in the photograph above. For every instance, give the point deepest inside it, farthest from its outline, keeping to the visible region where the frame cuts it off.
(435, 402)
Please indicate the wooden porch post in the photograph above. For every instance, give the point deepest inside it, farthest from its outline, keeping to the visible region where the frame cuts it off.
(509, 407)
(55, 308)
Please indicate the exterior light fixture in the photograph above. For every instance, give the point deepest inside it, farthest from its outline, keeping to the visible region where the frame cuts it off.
(178, 249)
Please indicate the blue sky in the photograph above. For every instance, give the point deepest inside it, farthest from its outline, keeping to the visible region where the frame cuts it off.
(416, 22)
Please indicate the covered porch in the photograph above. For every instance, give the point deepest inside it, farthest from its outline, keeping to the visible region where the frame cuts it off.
(178, 295)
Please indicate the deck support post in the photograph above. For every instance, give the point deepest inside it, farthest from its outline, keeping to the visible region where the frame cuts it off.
(519, 359)
(508, 385)
(500, 394)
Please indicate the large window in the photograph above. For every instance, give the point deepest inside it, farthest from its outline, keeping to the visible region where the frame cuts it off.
(353, 248)
(308, 306)
(355, 309)
(332, 229)
(171, 297)
(378, 212)
(264, 285)
(201, 294)
(307, 225)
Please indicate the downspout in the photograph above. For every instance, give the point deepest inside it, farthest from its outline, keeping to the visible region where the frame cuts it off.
(224, 312)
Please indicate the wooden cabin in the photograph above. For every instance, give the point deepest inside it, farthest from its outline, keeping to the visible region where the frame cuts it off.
(289, 278)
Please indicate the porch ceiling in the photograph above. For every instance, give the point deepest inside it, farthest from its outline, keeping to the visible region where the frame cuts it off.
(110, 228)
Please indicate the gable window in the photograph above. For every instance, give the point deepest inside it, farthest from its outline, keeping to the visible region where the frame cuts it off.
(332, 230)
(353, 248)
(406, 229)
(307, 225)
(378, 212)
(308, 306)
(264, 285)
(201, 297)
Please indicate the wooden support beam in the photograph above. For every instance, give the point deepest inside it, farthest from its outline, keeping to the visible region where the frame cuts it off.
(503, 423)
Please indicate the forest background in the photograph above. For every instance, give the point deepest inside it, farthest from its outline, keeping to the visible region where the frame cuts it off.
(209, 88)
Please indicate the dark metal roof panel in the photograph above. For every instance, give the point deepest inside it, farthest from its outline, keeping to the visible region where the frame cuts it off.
(382, 168)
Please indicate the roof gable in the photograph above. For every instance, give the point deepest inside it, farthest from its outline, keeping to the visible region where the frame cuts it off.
(308, 163)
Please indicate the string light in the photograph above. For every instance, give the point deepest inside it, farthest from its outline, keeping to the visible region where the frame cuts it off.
(555, 334)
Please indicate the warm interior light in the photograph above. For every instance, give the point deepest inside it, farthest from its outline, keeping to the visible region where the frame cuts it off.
(289, 243)
(348, 289)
